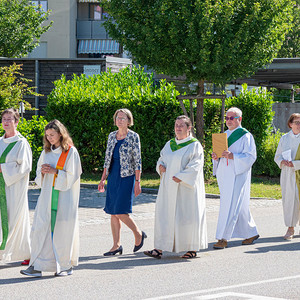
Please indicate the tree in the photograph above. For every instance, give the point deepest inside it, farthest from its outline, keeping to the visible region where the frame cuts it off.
(291, 45)
(13, 87)
(210, 40)
(20, 27)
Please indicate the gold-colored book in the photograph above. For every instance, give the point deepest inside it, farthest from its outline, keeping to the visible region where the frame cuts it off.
(219, 143)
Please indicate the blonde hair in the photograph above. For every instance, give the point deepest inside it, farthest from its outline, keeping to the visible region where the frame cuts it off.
(65, 139)
(291, 119)
(127, 112)
(13, 112)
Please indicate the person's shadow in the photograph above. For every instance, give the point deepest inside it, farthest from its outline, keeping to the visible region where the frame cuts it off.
(281, 245)
(128, 261)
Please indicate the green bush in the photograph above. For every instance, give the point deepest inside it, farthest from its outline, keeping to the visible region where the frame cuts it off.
(33, 131)
(265, 164)
(86, 106)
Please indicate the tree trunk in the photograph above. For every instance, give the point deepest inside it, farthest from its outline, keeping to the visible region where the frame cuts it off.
(199, 112)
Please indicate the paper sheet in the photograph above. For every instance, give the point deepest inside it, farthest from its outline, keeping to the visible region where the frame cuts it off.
(287, 155)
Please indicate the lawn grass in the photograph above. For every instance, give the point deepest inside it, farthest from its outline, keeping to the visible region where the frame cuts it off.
(264, 187)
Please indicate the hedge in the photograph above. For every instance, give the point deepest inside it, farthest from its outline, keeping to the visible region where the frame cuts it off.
(86, 106)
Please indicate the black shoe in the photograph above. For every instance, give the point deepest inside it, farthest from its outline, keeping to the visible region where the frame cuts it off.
(119, 250)
(137, 248)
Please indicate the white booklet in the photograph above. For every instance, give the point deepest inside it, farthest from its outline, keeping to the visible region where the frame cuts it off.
(287, 155)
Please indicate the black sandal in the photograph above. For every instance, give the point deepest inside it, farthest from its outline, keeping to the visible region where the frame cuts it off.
(189, 254)
(154, 253)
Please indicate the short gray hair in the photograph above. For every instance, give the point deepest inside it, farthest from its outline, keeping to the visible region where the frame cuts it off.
(235, 110)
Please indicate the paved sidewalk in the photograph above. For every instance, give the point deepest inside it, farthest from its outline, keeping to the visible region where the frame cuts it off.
(92, 202)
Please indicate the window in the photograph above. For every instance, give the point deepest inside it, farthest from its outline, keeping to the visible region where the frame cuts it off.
(96, 12)
(43, 4)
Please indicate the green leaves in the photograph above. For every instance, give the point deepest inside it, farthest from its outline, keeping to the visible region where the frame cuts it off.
(13, 86)
(203, 39)
(20, 27)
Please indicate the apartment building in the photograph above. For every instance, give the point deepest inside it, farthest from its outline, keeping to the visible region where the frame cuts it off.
(77, 31)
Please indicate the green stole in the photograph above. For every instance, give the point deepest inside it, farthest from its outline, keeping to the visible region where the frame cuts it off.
(174, 146)
(3, 203)
(237, 134)
(55, 193)
(297, 173)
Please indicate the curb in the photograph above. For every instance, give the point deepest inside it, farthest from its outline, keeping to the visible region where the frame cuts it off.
(152, 191)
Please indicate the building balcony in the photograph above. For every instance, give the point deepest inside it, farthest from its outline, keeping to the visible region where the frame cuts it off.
(91, 29)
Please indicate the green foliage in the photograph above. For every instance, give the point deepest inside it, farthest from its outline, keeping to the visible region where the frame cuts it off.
(291, 45)
(33, 131)
(265, 164)
(87, 105)
(203, 39)
(20, 27)
(13, 86)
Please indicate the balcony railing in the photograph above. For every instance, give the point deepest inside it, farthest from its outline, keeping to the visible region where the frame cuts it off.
(94, 29)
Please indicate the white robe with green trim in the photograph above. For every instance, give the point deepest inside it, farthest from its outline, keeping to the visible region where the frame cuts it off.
(234, 180)
(62, 252)
(289, 189)
(180, 215)
(15, 172)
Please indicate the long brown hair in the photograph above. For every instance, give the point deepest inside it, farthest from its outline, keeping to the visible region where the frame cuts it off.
(65, 139)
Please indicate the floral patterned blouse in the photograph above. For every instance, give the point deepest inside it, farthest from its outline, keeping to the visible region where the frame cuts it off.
(130, 153)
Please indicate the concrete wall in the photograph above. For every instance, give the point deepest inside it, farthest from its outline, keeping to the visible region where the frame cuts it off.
(282, 113)
(61, 37)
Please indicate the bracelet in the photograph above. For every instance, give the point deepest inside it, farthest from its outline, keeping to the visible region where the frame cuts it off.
(138, 180)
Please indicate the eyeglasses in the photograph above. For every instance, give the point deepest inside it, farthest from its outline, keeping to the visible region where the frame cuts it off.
(230, 118)
(296, 122)
(121, 119)
(7, 120)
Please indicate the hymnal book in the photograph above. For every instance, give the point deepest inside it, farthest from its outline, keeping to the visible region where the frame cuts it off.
(219, 142)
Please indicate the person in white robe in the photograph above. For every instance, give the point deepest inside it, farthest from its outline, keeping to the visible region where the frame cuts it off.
(180, 214)
(287, 157)
(233, 172)
(55, 238)
(15, 167)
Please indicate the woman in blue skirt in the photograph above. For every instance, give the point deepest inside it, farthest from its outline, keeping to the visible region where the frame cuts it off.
(122, 169)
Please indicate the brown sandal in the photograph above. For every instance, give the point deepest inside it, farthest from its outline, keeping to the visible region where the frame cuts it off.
(189, 254)
(154, 253)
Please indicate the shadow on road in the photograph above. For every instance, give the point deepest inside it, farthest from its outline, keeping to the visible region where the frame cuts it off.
(127, 261)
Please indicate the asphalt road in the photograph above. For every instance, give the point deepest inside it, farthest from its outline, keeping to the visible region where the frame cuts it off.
(268, 269)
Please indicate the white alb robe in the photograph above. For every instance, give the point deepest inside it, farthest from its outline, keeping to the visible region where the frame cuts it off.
(289, 189)
(234, 180)
(15, 172)
(180, 215)
(61, 252)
